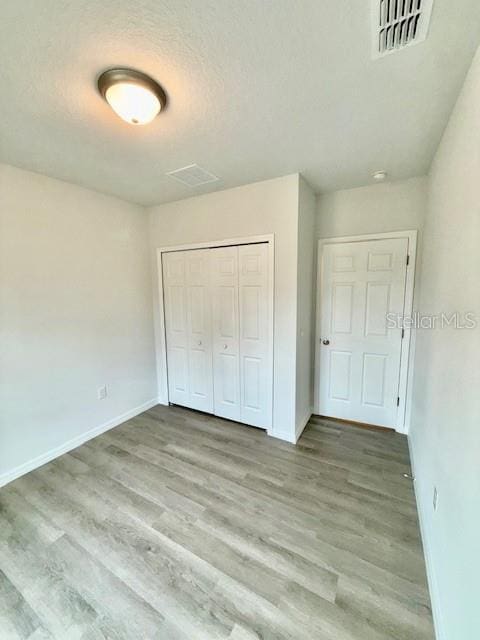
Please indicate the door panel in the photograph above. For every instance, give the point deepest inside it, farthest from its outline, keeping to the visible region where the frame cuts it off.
(187, 323)
(361, 283)
(198, 310)
(340, 374)
(177, 308)
(227, 383)
(373, 379)
(251, 312)
(199, 374)
(225, 329)
(342, 307)
(377, 306)
(227, 311)
(179, 371)
(252, 383)
(255, 371)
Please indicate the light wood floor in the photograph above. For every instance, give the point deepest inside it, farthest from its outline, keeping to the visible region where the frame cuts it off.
(178, 525)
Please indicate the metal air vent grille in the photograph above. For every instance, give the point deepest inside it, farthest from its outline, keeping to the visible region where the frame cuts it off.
(398, 24)
(192, 176)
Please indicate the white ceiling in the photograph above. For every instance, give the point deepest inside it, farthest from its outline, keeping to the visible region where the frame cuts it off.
(257, 89)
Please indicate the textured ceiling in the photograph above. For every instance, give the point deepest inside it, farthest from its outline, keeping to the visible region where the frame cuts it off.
(257, 89)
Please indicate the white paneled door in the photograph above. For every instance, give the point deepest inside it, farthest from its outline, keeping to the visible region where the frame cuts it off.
(362, 290)
(218, 331)
(255, 372)
(186, 277)
(226, 354)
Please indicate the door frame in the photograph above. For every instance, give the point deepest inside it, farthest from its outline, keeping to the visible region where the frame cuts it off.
(408, 343)
(160, 333)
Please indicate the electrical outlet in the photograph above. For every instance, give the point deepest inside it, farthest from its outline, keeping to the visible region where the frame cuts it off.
(102, 392)
(435, 498)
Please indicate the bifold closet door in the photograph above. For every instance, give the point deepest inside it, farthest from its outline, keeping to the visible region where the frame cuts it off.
(242, 377)
(186, 277)
(225, 330)
(217, 321)
(256, 373)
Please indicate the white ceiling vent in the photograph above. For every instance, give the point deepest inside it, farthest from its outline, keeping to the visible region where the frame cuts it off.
(192, 176)
(398, 24)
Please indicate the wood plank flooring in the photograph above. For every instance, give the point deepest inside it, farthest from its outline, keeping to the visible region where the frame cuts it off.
(182, 526)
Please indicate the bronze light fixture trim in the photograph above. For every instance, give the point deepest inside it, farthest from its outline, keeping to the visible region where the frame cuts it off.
(134, 96)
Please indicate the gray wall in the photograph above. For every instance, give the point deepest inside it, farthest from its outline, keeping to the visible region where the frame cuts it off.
(445, 432)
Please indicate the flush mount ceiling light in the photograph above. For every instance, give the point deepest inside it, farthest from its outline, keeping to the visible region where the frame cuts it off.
(379, 176)
(134, 96)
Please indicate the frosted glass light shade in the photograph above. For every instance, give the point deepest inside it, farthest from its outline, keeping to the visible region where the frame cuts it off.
(134, 96)
(134, 103)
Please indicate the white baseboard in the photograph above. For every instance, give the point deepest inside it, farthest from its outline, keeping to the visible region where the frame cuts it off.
(289, 436)
(26, 467)
(286, 437)
(302, 424)
(431, 575)
(163, 401)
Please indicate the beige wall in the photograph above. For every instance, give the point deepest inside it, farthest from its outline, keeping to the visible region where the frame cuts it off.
(445, 432)
(255, 209)
(75, 313)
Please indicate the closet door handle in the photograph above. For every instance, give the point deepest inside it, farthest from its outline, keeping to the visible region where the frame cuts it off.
(199, 343)
(225, 346)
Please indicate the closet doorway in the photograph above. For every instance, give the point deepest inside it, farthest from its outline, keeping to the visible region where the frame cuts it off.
(216, 304)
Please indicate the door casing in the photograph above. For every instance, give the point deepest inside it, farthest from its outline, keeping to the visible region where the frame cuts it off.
(160, 335)
(408, 342)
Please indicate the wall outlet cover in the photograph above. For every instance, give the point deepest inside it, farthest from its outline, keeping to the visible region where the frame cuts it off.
(102, 392)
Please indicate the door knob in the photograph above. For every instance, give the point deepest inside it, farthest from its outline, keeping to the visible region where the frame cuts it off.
(199, 343)
(325, 342)
(225, 346)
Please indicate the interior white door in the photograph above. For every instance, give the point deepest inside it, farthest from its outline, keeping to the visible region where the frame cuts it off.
(186, 276)
(225, 330)
(255, 357)
(361, 282)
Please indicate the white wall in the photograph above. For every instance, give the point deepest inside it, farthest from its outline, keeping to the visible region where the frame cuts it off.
(305, 305)
(445, 432)
(378, 208)
(75, 313)
(255, 209)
